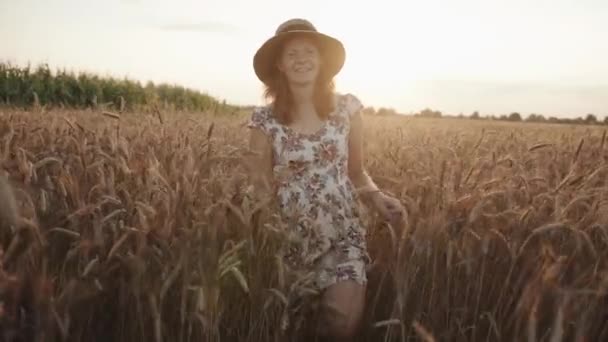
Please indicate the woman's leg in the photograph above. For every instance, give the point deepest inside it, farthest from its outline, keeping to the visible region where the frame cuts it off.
(342, 306)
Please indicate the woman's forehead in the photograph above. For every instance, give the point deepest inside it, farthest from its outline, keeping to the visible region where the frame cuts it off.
(299, 42)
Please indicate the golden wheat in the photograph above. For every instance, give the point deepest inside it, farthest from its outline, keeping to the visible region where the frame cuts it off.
(141, 229)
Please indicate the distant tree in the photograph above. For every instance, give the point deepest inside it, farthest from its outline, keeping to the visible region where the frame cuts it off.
(475, 115)
(580, 120)
(606, 120)
(428, 113)
(591, 119)
(535, 118)
(514, 117)
(386, 111)
(369, 111)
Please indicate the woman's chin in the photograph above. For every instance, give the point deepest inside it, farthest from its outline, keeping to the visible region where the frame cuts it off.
(302, 79)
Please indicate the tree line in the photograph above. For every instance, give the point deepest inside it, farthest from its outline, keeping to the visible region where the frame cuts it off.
(27, 86)
(589, 119)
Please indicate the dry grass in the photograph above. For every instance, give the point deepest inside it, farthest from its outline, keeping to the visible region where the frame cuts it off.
(137, 229)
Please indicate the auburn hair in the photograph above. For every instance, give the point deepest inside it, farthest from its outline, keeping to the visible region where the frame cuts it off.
(278, 93)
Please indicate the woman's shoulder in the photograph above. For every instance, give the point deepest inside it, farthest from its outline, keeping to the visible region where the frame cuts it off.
(350, 102)
(260, 117)
(261, 112)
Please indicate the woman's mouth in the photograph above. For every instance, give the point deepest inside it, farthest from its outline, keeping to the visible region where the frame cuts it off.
(305, 68)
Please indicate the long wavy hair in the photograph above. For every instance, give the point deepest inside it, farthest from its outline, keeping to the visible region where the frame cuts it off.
(277, 91)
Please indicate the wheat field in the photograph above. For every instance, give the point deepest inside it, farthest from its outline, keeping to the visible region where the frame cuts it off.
(136, 228)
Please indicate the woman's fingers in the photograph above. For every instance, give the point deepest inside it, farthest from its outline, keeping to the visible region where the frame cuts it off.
(395, 209)
(386, 212)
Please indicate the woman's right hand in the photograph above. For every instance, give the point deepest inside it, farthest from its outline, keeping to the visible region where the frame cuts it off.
(389, 207)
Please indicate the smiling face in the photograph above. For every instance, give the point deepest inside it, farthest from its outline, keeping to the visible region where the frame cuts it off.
(300, 61)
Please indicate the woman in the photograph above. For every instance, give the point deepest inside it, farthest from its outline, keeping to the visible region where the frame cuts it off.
(309, 145)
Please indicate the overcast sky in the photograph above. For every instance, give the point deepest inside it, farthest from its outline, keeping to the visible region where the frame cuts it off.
(496, 57)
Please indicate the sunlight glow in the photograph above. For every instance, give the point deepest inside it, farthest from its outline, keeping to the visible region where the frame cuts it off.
(491, 56)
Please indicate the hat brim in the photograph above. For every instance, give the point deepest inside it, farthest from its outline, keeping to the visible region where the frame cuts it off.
(331, 49)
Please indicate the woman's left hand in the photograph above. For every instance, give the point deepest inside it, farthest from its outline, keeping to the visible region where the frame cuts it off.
(390, 208)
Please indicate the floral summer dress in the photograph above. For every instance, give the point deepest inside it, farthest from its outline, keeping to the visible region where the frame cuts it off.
(316, 197)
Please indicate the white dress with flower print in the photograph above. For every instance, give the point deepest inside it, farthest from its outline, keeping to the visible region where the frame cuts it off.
(316, 196)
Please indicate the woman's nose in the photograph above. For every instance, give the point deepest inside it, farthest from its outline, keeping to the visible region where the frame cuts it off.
(300, 57)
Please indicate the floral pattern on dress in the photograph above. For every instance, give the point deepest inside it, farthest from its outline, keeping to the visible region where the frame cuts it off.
(316, 194)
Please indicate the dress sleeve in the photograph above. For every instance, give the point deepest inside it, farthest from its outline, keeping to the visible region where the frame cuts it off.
(259, 120)
(353, 104)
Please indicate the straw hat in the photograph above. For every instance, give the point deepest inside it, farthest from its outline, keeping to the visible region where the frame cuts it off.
(331, 49)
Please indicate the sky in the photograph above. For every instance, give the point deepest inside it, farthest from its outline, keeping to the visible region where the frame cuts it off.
(492, 56)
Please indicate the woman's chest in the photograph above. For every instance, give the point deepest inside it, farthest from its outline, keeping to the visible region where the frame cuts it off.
(328, 146)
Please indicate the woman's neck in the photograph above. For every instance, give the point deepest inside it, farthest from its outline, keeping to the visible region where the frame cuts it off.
(302, 93)
(302, 96)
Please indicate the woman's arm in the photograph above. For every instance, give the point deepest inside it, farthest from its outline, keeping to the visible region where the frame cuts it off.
(356, 169)
(259, 161)
(388, 206)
